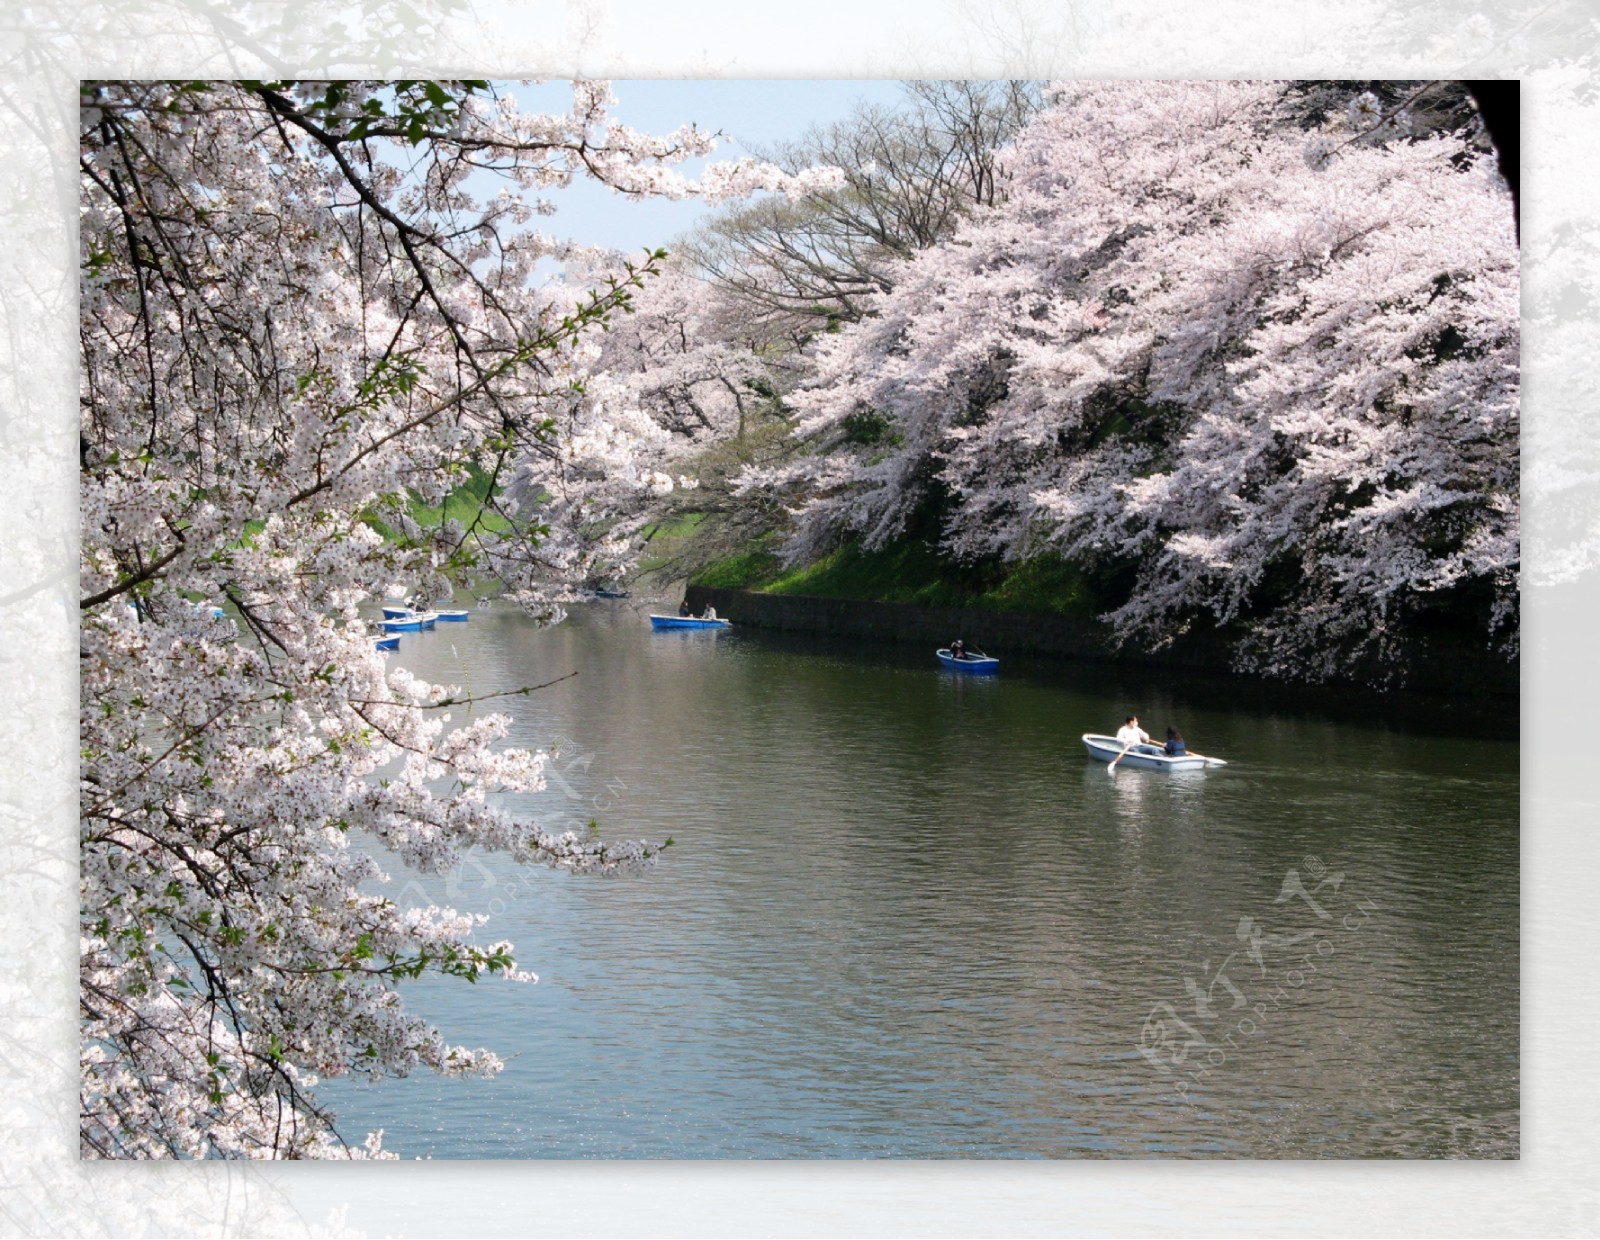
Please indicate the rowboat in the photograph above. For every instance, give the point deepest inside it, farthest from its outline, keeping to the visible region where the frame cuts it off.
(978, 664)
(1144, 757)
(416, 622)
(611, 594)
(387, 643)
(394, 611)
(686, 622)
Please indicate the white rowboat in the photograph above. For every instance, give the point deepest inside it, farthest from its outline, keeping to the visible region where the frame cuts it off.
(1145, 757)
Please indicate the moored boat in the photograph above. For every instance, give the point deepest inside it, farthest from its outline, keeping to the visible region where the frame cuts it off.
(976, 663)
(416, 622)
(686, 622)
(387, 643)
(396, 611)
(1149, 757)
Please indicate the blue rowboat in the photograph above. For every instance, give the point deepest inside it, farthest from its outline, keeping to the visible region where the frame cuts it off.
(387, 643)
(978, 664)
(414, 623)
(1144, 757)
(685, 622)
(396, 612)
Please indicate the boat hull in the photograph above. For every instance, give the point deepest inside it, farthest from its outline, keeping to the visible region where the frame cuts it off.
(1143, 757)
(984, 666)
(457, 615)
(685, 622)
(410, 624)
(387, 643)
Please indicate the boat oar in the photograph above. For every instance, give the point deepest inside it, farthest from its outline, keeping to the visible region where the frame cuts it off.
(1112, 769)
(1209, 760)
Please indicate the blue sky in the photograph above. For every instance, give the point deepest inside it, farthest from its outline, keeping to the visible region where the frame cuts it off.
(751, 113)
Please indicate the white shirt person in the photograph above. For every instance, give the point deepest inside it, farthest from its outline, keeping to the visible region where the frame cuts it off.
(1131, 734)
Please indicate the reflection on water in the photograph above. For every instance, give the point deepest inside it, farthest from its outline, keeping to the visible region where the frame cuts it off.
(904, 916)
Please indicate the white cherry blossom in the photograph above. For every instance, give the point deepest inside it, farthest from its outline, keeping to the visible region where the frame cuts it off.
(301, 311)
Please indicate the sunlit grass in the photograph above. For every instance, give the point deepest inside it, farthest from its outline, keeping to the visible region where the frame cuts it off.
(464, 505)
(910, 571)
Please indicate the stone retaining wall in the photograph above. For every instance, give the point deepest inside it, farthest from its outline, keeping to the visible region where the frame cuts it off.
(1455, 668)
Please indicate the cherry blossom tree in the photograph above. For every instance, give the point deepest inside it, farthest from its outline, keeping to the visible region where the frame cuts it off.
(701, 368)
(669, 388)
(1269, 371)
(301, 312)
(695, 358)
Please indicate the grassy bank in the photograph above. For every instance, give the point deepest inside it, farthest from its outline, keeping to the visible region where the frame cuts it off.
(910, 572)
(466, 504)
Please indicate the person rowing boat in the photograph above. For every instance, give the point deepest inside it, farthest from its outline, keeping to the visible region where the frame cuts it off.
(1129, 735)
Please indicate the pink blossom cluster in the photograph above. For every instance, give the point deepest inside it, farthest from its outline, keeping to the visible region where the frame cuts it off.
(1285, 390)
(300, 317)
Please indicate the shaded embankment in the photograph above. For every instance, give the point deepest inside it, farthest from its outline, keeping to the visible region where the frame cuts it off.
(1444, 664)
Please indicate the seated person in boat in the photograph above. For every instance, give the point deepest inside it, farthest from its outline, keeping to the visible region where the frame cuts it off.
(710, 613)
(1174, 748)
(683, 608)
(958, 649)
(1130, 735)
